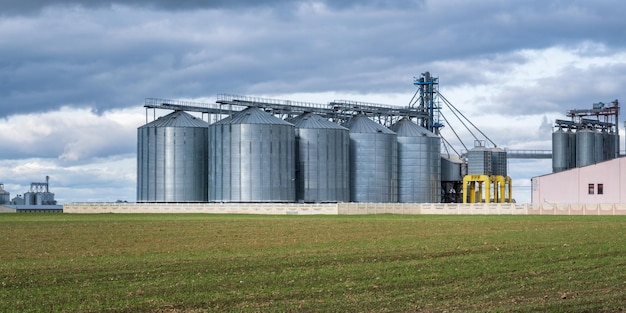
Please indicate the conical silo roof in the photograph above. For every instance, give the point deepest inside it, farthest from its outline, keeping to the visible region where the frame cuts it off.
(313, 121)
(177, 119)
(253, 116)
(406, 128)
(362, 124)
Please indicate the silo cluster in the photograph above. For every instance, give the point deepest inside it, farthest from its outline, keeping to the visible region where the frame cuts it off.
(578, 145)
(254, 156)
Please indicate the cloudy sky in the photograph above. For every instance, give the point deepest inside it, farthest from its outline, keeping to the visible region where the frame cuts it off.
(74, 74)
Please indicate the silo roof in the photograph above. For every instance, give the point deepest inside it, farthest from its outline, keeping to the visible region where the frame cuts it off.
(177, 119)
(362, 124)
(253, 116)
(310, 120)
(406, 128)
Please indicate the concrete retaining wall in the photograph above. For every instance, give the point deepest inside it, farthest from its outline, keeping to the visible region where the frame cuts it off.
(350, 208)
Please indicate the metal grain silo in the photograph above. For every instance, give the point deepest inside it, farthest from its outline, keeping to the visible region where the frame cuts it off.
(252, 158)
(610, 146)
(599, 153)
(563, 150)
(172, 159)
(419, 163)
(373, 161)
(322, 160)
(498, 162)
(479, 161)
(585, 145)
(572, 148)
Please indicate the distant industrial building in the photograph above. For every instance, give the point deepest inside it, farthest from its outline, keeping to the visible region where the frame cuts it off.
(37, 199)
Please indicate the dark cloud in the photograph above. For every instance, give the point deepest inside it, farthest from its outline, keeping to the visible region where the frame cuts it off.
(116, 55)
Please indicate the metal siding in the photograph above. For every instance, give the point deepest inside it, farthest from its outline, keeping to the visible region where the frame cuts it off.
(419, 163)
(373, 162)
(172, 160)
(479, 161)
(322, 162)
(599, 153)
(561, 151)
(255, 161)
(585, 145)
(498, 162)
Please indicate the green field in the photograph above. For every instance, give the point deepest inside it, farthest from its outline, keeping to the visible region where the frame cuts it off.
(242, 263)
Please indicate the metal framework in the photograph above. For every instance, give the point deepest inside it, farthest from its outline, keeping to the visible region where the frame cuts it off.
(428, 89)
(338, 111)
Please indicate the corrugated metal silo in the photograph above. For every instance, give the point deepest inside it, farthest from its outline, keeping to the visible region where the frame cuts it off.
(498, 162)
(172, 159)
(322, 160)
(419, 163)
(451, 169)
(608, 139)
(572, 148)
(585, 145)
(599, 153)
(479, 161)
(373, 161)
(561, 152)
(252, 158)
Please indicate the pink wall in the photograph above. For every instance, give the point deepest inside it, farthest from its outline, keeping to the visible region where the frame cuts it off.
(571, 186)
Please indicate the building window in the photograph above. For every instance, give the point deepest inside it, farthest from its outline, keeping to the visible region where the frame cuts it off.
(600, 189)
(590, 189)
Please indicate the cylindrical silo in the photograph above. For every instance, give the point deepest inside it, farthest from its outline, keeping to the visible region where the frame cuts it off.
(5, 196)
(419, 163)
(451, 179)
(322, 160)
(479, 161)
(599, 153)
(608, 139)
(373, 161)
(585, 145)
(172, 159)
(252, 158)
(498, 162)
(572, 148)
(560, 150)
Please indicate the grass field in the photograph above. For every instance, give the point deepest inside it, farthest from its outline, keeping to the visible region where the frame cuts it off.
(382, 263)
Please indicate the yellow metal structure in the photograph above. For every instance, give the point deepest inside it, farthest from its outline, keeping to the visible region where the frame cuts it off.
(501, 186)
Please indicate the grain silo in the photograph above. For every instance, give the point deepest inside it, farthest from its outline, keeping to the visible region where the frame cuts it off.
(585, 145)
(251, 158)
(561, 152)
(373, 161)
(499, 162)
(322, 160)
(479, 160)
(419, 163)
(598, 146)
(5, 196)
(172, 159)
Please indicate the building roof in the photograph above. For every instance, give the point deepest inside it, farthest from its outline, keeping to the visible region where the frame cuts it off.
(406, 128)
(177, 119)
(253, 115)
(314, 121)
(361, 124)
